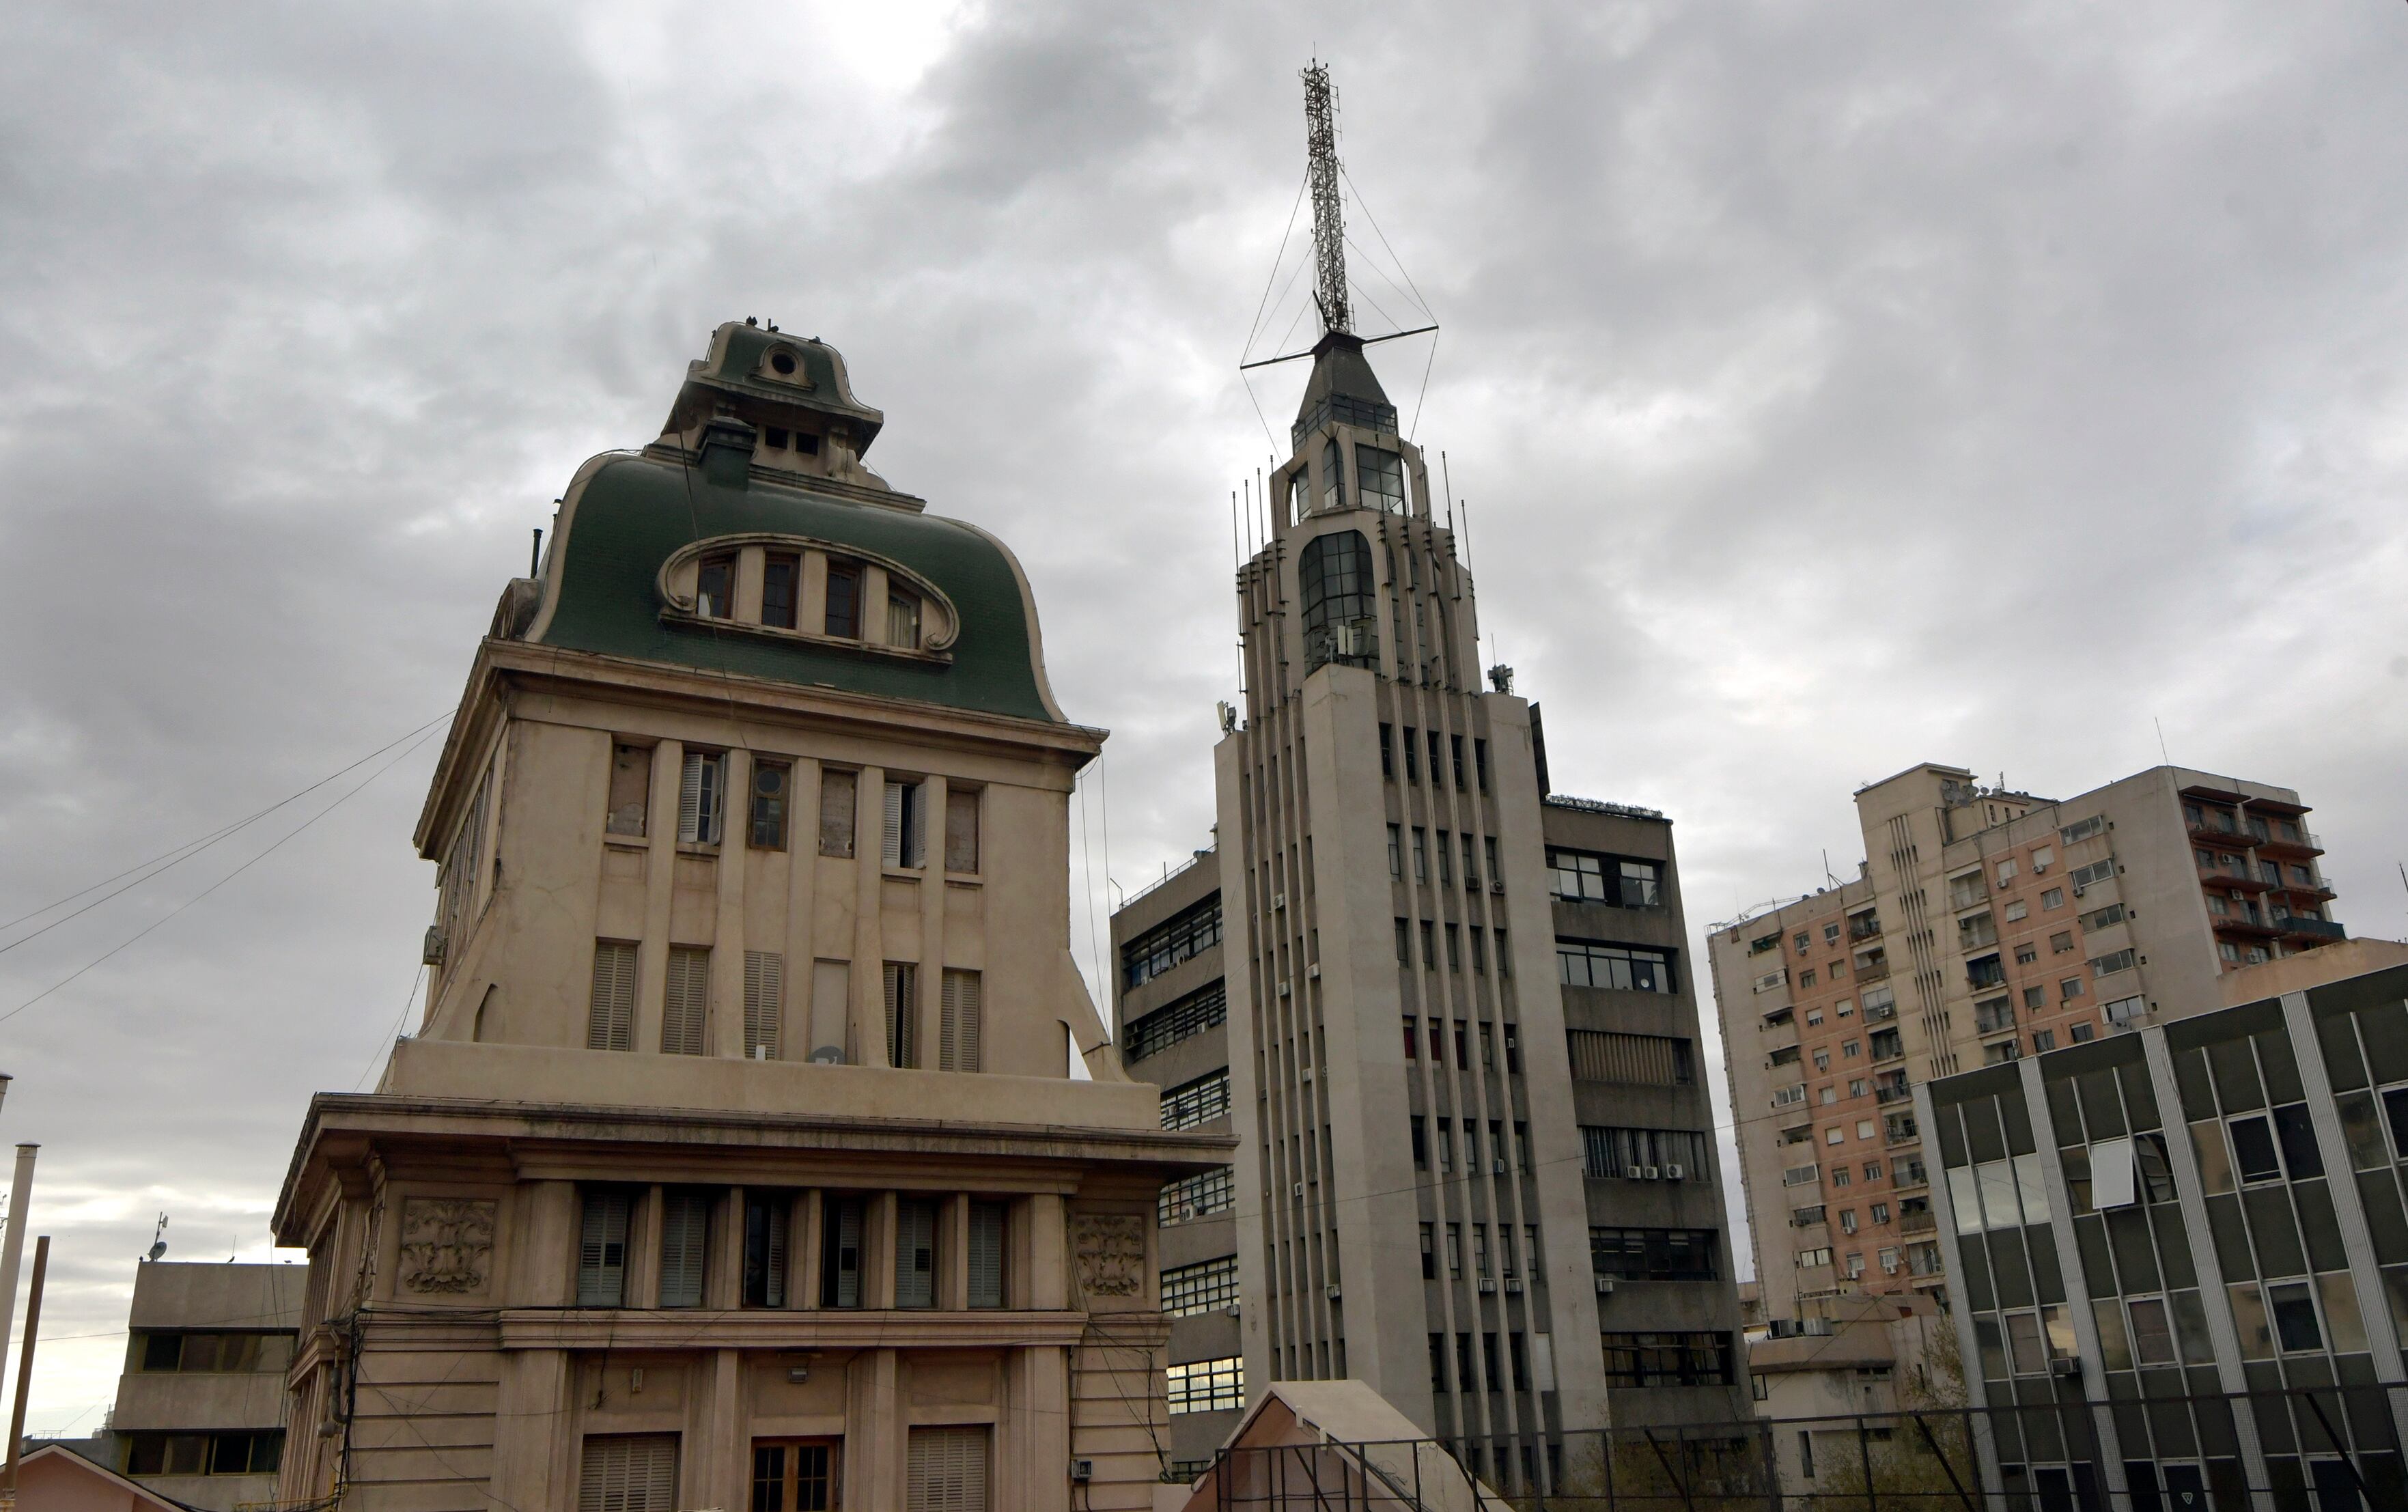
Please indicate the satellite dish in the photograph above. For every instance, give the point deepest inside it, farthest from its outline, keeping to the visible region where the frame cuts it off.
(827, 1054)
(159, 1239)
(158, 1250)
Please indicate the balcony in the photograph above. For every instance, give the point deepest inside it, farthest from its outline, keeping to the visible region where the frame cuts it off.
(2241, 924)
(1893, 1138)
(1865, 928)
(2306, 845)
(1805, 1217)
(2318, 889)
(1877, 1012)
(1914, 1223)
(1900, 1093)
(2225, 833)
(2304, 928)
(1874, 972)
(2238, 881)
(1903, 1181)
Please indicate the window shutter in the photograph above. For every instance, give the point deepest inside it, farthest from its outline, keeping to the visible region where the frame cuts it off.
(915, 1254)
(841, 1286)
(602, 1251)
(689, 796)
(902, 1004)
(686, 1006)
(611, 1020)
(986, 1254)
(961, 829)
(947, 1469)
(957, 1047)
(890, 845)
(775, 1277)
(685, 1226)
(629, 1473)
(836, 795)
(765, 984)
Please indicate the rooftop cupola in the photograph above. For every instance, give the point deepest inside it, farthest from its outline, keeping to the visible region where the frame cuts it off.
(1342, 388)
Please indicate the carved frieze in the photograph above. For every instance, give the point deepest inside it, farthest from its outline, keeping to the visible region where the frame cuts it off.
(447, 1243)
(1109, 1249)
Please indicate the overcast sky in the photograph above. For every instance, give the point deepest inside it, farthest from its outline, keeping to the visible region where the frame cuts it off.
(1835, 386)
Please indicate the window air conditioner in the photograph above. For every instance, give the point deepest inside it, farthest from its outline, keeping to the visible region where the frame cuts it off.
(1605, 1286)
(2078, 891)
(431, 953)
(1279, 899)
(1487, 1286)
(1331, 1292)
(1313, 972)
(1655, 1174)
(1299, 1188)
(1512, 1287)
(1283, 989)
(2065, 1367)
(2238, 895)
(1674, 1173)
(1634, 1172)
(1497, 1168)
(1497, 887)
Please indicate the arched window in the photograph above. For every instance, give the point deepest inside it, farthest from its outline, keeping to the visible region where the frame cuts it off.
(1334, 575)
(1333, 477)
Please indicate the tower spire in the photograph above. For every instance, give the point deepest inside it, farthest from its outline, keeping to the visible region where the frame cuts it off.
(1328, 220)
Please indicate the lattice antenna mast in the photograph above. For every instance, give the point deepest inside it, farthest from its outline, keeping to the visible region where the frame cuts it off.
(1328, 221)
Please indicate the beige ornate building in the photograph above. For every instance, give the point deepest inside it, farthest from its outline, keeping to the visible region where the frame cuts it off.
(740, 1159)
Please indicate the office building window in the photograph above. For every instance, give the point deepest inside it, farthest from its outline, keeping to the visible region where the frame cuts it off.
(989, 1227)
(1207, 1286)
(765, 1215)
(1208, 1385)
(685, 1231)
(840, 1226)
(602, 1248)
(1693, 1359)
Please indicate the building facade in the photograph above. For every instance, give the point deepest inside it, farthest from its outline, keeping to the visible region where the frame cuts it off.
(1984, 926)
(2197, 1229)
(739, 1157)
(200, 1410)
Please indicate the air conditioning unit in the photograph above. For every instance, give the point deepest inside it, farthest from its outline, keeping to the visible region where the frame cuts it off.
(1313, 972)
(1654, 1173)
(1497, 1168)
(1299, 1188)
(1497, 887)
(2065, 1367)
(1512, 1287)
(1634, 1172)
(1231, 1309)
(1279, 899)
(1605, 1286)
(1283, 989)
(431, 953)
(1331, 1292)
(1487, 1286)
(2079, 890)
(2238, 895)
(1674, 1173)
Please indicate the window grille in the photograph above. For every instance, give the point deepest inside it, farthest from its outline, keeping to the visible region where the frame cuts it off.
(1208, 1385)
(1197, 1196)
(1642, 1059)
(628, 1473)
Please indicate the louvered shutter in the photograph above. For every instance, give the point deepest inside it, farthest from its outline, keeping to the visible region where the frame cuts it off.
(602, 1251)
(891, 844)
(611, 1020)
(986, 1254)
(902, 1001)
(685, 1227)
(915, 1254)
(685, 1008)
(947, 1469)
(764, 991)
(691, 795)
(957, 1046)
(629, 1473)
(842, 1287)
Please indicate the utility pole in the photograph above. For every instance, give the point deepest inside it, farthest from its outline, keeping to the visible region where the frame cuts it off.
(25, 1367)
(12, 1251)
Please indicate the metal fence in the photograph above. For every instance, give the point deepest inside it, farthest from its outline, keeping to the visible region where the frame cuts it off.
(2301, 1449)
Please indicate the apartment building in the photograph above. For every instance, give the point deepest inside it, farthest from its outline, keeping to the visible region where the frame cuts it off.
(738, 1158)
(2154, 1222)
(1984, 926)
(200, 1410)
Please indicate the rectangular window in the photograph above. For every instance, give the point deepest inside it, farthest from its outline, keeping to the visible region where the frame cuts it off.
(841, 1252)
(1445, 865)
(960, 1023)
(702, 797)
(1201, 1009)
(843, 600)
(837, 790)
(2081, 830)
(765, 1216)
(989, 1226)
(1589, 964)
(1480, 762)
(945, 1469)
(962, 829)
(631, 790)
(1193, 930)
(1693, 1359)
(915, 1253)
(1199, 1101)
(1208, 1385)
(1437, 760)
(1504, 968)
(685, 1231)
(610, 1016)
(1633, 1153)
(900, 842)
(1637, 1059)
(1454, 751)
(903, 619)
(714, 585)
(902, 1014)
(602, 1249)
(1205, 1286)
(1420, 1132)
(628, 1473)
(781, 576)
(1453, 948)
(1388, 752)
(1430, 944)
(685, 1008)
(1404, 943)
(796, 1476)
(1413, 759)
(1395, 852)
(765, 1003)
(1470, 866)
(771, 782)
(1379, 474)
(1420, 854)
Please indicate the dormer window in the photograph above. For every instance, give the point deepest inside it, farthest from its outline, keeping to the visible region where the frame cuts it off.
(844, 600)
(903, 619)
(783, 364)
(715, 586)
(781, 583)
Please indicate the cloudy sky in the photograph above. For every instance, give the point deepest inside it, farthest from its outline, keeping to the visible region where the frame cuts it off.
(1835, 386)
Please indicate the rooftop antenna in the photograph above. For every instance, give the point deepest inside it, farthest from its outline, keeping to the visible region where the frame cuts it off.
(1328, 220)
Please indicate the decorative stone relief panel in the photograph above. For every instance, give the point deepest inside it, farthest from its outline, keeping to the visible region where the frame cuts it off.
(1108, 1249)
(447, 1243)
